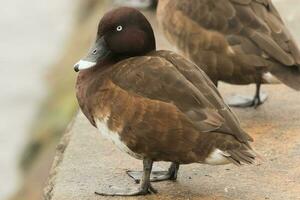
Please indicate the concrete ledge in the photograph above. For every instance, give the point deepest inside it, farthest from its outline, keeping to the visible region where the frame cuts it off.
(85, 161)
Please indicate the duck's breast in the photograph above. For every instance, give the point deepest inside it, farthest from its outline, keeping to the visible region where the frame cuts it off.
(114, 136)
(109, 108)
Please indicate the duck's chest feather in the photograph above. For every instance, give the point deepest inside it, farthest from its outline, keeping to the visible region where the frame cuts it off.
(106, 131)
(84, 97)
(108, 108)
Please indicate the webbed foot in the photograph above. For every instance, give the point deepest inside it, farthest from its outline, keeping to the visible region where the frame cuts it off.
(128, 191)
(246, 101)
(156, 176)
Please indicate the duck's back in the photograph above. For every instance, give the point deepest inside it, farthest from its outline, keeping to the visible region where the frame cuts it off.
(235, 40)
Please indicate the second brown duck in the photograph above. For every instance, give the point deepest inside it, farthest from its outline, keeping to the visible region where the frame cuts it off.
(235, 41)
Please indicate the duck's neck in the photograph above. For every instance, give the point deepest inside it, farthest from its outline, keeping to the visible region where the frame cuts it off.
(88, 75)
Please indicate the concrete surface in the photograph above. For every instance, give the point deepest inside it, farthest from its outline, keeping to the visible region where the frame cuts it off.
(289, 10)
(90, 162)
(86, 162)
(32, 35)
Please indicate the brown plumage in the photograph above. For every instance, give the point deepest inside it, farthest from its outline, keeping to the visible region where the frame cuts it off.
(155, 105)
(236, 41)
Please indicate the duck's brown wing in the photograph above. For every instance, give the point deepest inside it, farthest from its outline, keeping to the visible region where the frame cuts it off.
(252, 29)
(158, 78)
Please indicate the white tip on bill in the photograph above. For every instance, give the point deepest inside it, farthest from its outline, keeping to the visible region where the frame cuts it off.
(83, 64)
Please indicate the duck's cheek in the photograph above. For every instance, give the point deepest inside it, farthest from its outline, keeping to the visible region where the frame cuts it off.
(127, 42)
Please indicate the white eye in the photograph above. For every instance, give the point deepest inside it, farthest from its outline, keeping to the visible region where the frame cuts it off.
(119, 28)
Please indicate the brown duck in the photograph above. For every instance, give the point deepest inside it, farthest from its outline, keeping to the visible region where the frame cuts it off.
(155, 105)
(236, 41)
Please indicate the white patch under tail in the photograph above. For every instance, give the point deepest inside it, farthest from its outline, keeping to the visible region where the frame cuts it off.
(114, 136)
(217, 157)
(230, 50)
(270, 78)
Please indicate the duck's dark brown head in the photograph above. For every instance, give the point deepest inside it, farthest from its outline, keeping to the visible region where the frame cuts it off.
(122, 33)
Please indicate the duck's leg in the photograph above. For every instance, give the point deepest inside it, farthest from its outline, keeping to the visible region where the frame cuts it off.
(259, 97)
(245, 101)
(144, 188)
(156, 176)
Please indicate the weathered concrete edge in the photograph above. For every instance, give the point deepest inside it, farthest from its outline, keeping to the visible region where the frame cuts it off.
(59, 156)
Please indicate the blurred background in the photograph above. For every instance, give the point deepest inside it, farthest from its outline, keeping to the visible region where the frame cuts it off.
(40, 42)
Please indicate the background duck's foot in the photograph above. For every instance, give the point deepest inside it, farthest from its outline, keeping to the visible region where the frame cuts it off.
(114, 191)
(259, 101)
(155, 176)
(247, 101)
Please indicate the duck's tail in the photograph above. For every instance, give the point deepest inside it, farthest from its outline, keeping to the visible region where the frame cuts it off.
(288, 75)
(244, 156)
